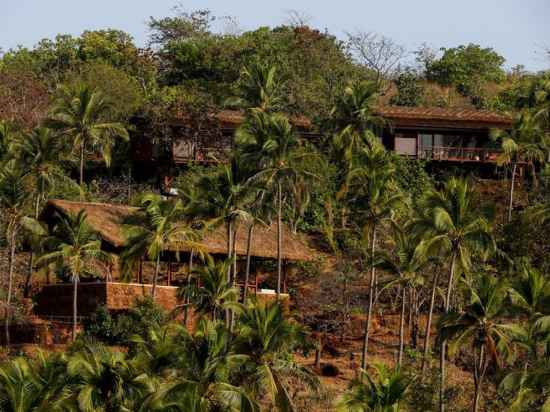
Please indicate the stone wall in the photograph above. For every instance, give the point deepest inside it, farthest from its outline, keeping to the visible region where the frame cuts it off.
(57, 300)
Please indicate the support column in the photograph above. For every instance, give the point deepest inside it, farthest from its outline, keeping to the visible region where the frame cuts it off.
(284, 275)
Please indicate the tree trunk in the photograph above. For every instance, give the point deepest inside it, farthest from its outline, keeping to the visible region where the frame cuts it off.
(511, 200)
(129, 183)
(371, 301)
(443, 347)
(248, 259)
(187, 300)
(155, 278)
(75, 305)
(429, 323)
(345, 312)
(414, 328)
(318, 352)
(229, 249)
(11, 263)
(279, 238)
(230, 241)
(234, 277)
(81, 165)
(402, 327)
(31, 254)
(479, 374)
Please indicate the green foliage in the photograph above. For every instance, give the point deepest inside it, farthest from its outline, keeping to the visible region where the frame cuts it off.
(467, 68)
(409, 90)
(120, 329)
(412, 178)
(382, 394)
(123, 91)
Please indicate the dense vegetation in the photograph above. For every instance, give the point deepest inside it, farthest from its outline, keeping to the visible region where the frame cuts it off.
(428, 246)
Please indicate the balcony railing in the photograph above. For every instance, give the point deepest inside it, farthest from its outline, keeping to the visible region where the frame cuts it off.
(460, 154)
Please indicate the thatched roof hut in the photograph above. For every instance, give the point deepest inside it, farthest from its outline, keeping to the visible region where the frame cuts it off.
(108, 221)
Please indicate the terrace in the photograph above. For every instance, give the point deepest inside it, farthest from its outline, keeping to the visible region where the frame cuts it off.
(439, 134)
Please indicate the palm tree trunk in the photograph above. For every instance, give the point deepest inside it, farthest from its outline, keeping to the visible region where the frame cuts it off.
(155, 278)
(31, 254)
(478, 377)
(511, 199)
(402, 327)
(81, 164)
(443, 347)
(75, 305)
(187, 299)
(248, 259)
(429, 323)
(279, 238)
(234, 277)
(414, 328)
(11, 263)
(371, 301)
(229, 257)
(229, 248)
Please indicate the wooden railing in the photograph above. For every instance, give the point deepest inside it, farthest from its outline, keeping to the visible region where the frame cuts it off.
(203, 155)
(462, 154)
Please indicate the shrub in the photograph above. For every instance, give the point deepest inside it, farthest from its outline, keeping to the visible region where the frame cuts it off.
(119, 329)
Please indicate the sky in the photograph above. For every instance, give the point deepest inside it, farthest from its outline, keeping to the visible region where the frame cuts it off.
(517, 29)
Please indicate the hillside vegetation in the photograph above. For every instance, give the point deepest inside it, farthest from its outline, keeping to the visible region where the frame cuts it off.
(432, 286)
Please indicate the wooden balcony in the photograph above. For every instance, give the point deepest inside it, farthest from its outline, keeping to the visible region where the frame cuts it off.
(460, 154)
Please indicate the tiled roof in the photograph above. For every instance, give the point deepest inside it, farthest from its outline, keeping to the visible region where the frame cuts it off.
(443, 114)
(236, 117)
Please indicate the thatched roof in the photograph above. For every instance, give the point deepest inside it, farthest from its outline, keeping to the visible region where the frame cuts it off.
(108, 219)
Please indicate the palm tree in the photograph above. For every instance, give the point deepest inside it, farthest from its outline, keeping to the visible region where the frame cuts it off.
(542, 101)
(355, 108)
(7, 136)
(223, 197)
(530, 292)
(525, 143)
(41, 152)
(161, 225)
(204, 364)
(104, 380)
(380, 395)
(82, 114)
(451, 224)
(259, 87)
(212, 295)
(267, 338)
(528, 387)
(33, 384)
(377, 199)
(529, 295)
(539, 213)
(74, 245)
(268, 142)
(404, 264)
(354, 121)
(480, 326)
(14, 201)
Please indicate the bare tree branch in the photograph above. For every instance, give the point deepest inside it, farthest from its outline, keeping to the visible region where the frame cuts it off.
(376, 52)
(297, 18)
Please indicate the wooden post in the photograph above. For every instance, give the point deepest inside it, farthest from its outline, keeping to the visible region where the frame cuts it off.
(284, 275)
(140, 272)
(169, 271)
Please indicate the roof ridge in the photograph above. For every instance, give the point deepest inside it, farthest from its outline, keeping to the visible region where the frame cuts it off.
(75, 202)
